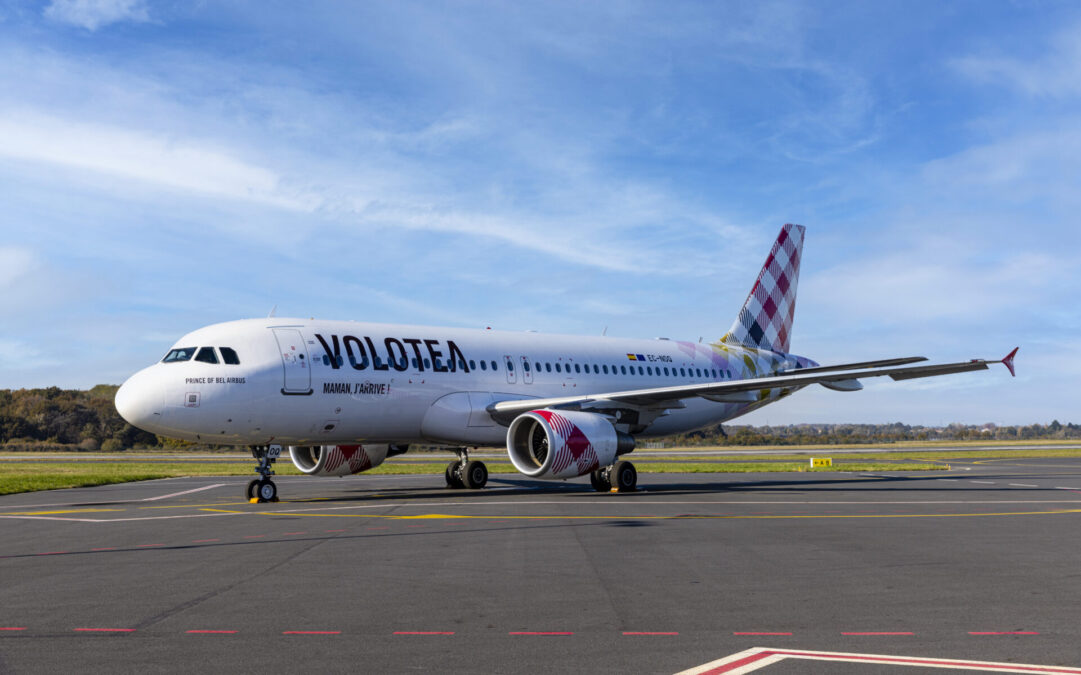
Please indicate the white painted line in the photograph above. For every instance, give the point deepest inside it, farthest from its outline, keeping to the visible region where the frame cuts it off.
(952, 480)
(1023, 485)
(185, 492)
(760, 657)
(985, 482)
(1067, 488)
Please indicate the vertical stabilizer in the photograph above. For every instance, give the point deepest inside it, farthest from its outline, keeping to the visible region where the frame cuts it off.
(765, 322)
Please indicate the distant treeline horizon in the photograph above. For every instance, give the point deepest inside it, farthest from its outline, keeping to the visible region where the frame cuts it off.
(76, 419)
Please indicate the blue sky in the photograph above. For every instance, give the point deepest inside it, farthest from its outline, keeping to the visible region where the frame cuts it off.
(564, 167)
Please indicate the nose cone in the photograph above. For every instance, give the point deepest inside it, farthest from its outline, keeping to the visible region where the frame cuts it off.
(140, 400)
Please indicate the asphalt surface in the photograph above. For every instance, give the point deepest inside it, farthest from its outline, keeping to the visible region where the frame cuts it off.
(398, 574)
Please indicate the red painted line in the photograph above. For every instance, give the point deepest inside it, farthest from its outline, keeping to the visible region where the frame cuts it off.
(211, 632)
(105, 630)
(729, 667)
(311, 632)
(544, 632)
(424, 632)
(290, 533)
(204, 541)
(642, 632)
(890, 660)
(880, 632)
(12, 627)
(758, 633)
(1004, 632)
(103, 549)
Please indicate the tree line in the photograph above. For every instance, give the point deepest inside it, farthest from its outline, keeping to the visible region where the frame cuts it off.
(72, 419)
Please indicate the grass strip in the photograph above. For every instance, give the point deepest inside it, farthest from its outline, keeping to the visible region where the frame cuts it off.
(31, 477)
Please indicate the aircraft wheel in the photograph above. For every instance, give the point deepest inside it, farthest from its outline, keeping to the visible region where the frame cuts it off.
(454, 480)
(600, 481)
(252, 487)
(475, 475)
(267, 491)
(624, 477)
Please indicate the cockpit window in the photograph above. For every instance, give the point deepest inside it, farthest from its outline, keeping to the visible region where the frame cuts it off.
(206, 355)
(181, 354)
(229, 356)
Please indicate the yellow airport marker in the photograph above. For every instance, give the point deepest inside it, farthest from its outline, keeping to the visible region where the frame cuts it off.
(818, 462)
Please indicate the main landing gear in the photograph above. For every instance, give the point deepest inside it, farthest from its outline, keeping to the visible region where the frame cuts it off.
(463, 473)
(620, 477)
(263, 489)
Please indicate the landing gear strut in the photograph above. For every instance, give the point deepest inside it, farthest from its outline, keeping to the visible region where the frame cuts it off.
(263, 489)
(620, 477)
(463, 473)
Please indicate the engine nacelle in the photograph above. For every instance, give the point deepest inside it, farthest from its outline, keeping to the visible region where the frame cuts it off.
(337, 460)
(553, 444)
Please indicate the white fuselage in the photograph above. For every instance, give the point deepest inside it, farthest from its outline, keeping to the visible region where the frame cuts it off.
(308, 382)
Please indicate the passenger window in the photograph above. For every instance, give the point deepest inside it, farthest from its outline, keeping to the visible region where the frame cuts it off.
(229, 356)
(494, 366)
(596, 370)
(510, 366)
(181, 354)
(473, 364)
(427, 364)
(558, 369)
(605, 369)
(206, 355)
(641, 370)
(484, 365)
(577, 368)
(326, 360)
(525, 366)
(623, 369)
(666, 370)
(548, 367)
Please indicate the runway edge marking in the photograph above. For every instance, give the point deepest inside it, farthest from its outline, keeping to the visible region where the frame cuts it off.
(760, 657)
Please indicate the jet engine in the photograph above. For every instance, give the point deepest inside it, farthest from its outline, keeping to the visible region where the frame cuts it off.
(338, 460)
(553, 444)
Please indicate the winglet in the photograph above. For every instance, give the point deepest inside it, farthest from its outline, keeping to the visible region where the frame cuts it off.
(1008, 361)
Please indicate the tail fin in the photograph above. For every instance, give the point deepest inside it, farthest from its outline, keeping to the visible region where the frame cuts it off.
(765, 322)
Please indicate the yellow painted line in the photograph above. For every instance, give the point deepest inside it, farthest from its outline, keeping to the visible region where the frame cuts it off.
(53, 513)
(439, 516)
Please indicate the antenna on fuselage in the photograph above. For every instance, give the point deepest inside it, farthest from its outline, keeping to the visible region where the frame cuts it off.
(604, 332)
(273, 311)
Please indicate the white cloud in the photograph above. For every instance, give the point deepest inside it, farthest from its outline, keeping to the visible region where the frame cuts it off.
(172, 163)
(15, 263)
(1057, 73)
(93, 14)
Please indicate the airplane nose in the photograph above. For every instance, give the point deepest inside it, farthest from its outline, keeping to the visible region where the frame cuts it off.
(140, 401)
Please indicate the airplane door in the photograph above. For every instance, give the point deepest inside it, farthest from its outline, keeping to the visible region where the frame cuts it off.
(509, 362)
(527, 374)
(298, 372)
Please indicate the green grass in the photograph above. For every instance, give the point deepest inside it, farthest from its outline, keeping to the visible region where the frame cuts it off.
(32, 476)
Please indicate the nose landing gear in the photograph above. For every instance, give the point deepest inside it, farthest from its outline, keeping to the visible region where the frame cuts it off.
(263, 489)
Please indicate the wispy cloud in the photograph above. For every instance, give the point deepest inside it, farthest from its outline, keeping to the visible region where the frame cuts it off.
(1053, 74)
(94, 14)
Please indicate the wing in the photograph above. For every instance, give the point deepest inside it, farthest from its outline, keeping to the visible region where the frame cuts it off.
(842, 377)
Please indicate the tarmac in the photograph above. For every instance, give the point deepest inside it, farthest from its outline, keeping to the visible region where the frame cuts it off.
(399, 574)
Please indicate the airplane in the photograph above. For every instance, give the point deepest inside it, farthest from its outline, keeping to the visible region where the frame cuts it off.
(343, 396)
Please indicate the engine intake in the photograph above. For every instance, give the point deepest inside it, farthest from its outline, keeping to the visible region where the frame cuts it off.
(554, 444)
(338, 460)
